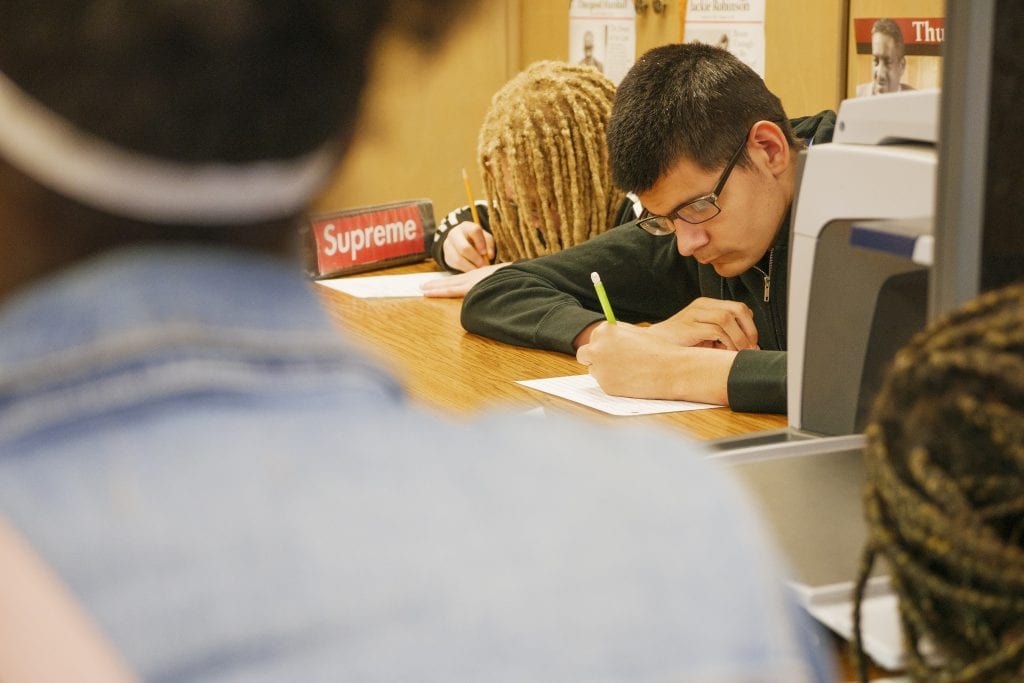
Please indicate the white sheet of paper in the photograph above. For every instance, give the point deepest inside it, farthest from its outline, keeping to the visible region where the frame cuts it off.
(584, 389)
(382, 285)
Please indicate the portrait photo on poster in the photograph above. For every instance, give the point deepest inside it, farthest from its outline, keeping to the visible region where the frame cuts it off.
(602, 34)
(895, 54)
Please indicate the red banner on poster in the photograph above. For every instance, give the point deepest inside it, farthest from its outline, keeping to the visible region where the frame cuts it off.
(922, 36)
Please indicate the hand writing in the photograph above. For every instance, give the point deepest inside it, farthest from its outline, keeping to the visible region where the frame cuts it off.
(627, 360)
(468, 246)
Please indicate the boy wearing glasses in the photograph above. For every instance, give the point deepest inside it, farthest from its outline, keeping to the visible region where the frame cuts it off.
(701, 276)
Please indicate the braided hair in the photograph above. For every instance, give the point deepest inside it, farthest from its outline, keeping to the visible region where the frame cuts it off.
(544, 159)
(944, 498)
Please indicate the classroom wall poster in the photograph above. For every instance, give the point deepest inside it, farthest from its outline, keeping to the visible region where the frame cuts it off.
(896, 53)
(602, 34)
(736, 25)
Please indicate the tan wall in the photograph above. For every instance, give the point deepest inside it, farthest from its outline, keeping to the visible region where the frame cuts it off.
(420, 127)
(804, 53)
(544, 31)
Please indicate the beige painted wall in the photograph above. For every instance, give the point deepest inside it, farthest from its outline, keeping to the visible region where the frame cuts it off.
(804, 53)
(420, 127)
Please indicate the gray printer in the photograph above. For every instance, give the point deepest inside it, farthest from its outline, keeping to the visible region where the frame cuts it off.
(861, 247)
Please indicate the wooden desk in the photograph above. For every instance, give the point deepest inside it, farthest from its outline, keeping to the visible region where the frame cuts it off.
(423, 343)
(442, 365)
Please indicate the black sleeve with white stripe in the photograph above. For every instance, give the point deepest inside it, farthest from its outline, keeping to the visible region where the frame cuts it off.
(461, 215)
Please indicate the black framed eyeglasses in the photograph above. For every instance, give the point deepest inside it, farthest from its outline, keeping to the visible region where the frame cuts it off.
(693, 211)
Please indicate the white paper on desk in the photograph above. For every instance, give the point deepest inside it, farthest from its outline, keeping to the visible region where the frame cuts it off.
(379, 286)
(584, 389)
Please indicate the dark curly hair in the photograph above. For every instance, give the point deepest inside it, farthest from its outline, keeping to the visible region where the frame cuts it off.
(944, 498)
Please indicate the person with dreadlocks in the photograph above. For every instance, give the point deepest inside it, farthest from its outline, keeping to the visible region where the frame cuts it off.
(944, 498)
(544, 160)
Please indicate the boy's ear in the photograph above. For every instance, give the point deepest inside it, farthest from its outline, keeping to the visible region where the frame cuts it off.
(767, 143)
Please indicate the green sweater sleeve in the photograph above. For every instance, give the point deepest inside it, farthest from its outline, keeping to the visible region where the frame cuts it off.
(547, 301)
(757, 382)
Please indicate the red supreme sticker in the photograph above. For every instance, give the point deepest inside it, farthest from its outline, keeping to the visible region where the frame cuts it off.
(357, 239)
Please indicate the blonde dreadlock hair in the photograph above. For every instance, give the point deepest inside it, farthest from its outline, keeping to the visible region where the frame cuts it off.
(544, 159)
(944, 498)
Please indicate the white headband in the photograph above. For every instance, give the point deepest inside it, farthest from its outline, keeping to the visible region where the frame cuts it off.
(84, 167)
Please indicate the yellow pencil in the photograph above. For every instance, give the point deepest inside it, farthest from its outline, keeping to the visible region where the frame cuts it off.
(602, 296)
(472, 206)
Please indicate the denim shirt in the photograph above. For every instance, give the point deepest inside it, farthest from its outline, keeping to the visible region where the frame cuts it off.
(237, 494)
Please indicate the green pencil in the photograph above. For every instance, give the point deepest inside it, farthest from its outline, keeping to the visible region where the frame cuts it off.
(603, 298)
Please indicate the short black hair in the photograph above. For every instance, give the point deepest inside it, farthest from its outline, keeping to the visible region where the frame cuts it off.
(685, 101)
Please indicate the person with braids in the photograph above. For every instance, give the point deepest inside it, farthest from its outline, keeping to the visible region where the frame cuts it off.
(229, 491)
(944, 498)
(708, 149)
(544, 158)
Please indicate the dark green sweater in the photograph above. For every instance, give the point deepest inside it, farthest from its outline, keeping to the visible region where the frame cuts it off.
(546, 302)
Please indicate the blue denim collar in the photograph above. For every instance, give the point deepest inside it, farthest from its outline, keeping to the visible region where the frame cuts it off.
(150, 323)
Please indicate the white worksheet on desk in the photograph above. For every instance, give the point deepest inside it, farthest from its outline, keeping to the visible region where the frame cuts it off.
(584, 389)
(380, 286)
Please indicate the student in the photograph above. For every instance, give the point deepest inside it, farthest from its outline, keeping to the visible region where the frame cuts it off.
(231, 491)
(544, 160)
(709, 151)
(943, 500)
